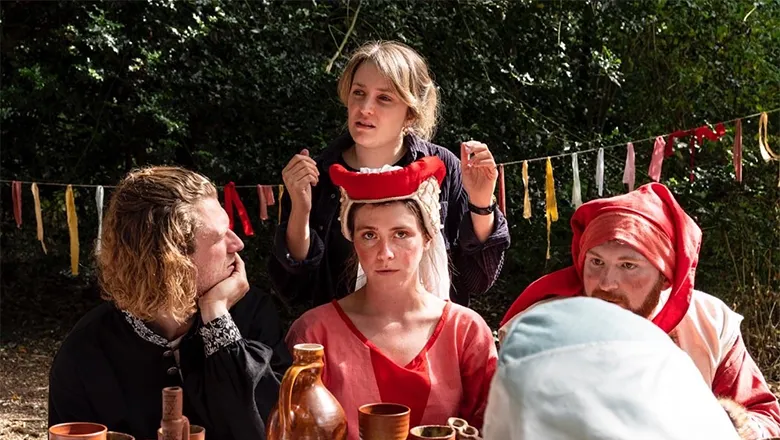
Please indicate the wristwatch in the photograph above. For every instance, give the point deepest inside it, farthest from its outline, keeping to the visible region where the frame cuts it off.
(484, 211)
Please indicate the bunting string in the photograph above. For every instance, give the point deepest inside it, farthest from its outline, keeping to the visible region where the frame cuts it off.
(671, 135)
(664, 146)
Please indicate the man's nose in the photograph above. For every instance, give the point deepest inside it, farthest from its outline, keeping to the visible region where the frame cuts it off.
(608, 279)
(236, 244)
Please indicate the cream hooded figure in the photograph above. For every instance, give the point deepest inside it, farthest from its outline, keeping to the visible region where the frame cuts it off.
(582, 368)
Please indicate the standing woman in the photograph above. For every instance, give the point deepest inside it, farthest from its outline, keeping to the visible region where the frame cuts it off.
(392, 106)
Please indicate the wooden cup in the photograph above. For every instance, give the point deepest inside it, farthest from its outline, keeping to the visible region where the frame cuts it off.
(383, 421)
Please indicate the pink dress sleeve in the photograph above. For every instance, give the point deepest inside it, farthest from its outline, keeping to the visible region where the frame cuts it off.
(478, 364)
(739, 379)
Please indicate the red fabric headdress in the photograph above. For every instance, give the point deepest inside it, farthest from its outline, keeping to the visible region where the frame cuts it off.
(419, 181)
(650, 220)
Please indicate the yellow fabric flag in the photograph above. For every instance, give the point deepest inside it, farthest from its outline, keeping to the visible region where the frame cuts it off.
(73, 229)
(281, 193)
(763, 141)
(551, 204)
(526, 199)
(38, 215)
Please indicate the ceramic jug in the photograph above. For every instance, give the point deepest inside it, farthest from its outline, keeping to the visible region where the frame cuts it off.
(306, 410)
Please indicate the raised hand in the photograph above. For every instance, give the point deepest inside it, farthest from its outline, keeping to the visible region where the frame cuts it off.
(299, 176)
(479, 172)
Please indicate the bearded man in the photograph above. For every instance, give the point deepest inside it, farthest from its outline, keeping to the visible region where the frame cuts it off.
(639, 251)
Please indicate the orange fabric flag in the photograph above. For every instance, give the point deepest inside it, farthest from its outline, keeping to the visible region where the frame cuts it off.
(551, 204)
(73, 229)
(38, 215)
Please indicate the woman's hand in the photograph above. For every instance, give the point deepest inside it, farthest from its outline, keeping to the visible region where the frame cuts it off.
(479, 173)
(299, 176)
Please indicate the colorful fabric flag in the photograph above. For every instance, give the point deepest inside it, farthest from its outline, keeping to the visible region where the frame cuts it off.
(629, 172)
(737, 156)
(551, 205)
(763, 140)
(263, 203)
(231, 198)
(269, 195)
(576, 192)
(526, 198)
(501, 190)
(99, 203)
(657, 160)
(16, 199)
(73, 229)
(281, 193)
(600, 171)
(38, 215)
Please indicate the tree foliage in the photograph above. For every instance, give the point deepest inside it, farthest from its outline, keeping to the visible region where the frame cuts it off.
(234, 88)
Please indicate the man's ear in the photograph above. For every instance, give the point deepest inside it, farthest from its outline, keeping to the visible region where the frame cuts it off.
(667, 284)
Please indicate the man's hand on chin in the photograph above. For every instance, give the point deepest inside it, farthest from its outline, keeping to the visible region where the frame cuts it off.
(220, 298)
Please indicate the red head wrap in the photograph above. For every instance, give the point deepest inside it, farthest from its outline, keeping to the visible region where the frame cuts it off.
(648, 219)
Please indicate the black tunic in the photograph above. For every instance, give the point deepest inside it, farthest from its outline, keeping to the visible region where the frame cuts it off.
(111, 369)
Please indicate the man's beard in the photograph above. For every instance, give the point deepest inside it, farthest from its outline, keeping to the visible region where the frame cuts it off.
(648, 306)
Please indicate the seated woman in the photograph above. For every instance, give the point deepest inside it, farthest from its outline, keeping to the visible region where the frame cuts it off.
(398, 338)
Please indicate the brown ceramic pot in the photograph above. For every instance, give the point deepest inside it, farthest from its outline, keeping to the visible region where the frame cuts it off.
(78, 431)
(430, 432)
(113, 435)
(383, 421)
(306, 410)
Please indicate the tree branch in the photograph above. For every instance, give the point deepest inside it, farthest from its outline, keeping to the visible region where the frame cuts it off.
(344, 41)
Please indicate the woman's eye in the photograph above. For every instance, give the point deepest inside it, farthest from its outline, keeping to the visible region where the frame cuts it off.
(401, 234)
(385, 98)
(357, 92)
(596, 262)
(368, 236)
(629, 265)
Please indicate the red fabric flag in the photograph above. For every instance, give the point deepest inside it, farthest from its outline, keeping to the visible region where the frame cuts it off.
(16, 197)
(231, 198)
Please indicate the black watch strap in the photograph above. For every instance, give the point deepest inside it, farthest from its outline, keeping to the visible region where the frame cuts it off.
(483, 211)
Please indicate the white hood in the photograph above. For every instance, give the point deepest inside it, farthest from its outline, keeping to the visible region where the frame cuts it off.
(582, 368)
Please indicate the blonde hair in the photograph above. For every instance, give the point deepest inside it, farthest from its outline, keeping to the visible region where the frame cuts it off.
(148, 237)
(408, 72)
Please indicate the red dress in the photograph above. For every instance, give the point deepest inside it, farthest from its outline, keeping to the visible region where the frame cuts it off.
(450, 377)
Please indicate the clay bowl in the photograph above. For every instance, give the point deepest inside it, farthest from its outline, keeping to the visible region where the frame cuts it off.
(432, 432)
(383, 421)
(78, 431)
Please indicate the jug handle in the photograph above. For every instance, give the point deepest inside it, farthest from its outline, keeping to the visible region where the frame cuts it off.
(285, 398)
